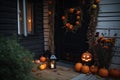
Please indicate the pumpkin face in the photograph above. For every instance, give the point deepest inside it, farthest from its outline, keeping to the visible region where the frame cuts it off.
(42, 59)
(78, 66)
(85, 69)
(114, 73)
(43, 66)
(103, 72)
(86, 57)
(93, 69)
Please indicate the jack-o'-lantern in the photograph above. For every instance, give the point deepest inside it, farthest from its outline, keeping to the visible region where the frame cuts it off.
(86, 57)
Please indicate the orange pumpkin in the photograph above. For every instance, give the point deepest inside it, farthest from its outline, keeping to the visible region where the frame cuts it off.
(86, 57)
(42, 66)
(106, 47)
(114, 73)
(77, 22)
(67, 24)
(78, 12)
(97, 1)
(37, 61)
(49, 13)
(77, 17)
(93, 69)
(71, 27)
(103, 72)
(78, 66)
(63, 17)
(42, 59)
(71, 10)
(85, 69)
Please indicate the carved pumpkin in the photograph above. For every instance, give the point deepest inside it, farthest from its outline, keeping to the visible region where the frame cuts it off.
(103, 72)
(42, 59)
(86, 57)
(114, 73)
(93, 69)
(85, 69)
(42, 66)
(78, 66)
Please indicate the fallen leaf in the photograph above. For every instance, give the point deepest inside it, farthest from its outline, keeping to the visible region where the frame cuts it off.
(33, 70)
(38, 74)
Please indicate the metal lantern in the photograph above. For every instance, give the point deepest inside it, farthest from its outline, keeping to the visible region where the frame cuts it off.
(86, 57)
(52, 63)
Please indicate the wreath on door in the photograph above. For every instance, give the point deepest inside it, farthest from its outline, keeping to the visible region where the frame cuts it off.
(72, 19)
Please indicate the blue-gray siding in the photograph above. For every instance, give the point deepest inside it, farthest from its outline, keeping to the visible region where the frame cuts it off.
(109, 24)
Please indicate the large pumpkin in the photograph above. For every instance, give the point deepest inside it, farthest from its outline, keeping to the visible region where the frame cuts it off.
(42, 59)
(78, 66)
(93, 69)
(103, 72)
(114, 73)
(85, 69)
(86, 57)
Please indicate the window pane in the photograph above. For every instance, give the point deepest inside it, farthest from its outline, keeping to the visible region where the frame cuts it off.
(29, 16)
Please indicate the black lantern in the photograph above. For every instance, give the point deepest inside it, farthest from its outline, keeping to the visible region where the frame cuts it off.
(52, 63)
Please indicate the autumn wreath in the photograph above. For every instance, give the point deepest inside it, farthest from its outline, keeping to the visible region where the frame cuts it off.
(72, 19)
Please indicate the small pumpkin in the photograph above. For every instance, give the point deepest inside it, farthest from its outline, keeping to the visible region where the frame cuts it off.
(86, 57)
(97, 1)
(71, 10)
(63, 17)
(114, 72)
(78, 66)
(106, 47)
(37, 61)
(77, 22)
(93, 69)
(42, 66)
(103, 72)
(49, 12)
(78, 12)
(85, 69)
(42, 59)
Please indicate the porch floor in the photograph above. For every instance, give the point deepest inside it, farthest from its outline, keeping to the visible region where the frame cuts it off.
(62, 72)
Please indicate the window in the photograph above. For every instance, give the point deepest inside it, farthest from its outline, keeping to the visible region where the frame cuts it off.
(25, 17)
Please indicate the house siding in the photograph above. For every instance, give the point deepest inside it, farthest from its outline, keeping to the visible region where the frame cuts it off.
(109, 24)
(9, 26)
(8, 17)
(35, 42)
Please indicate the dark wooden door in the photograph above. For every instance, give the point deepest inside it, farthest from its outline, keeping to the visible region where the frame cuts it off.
(68, 45)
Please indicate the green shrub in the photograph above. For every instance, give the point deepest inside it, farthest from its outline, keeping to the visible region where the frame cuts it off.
(15, 61)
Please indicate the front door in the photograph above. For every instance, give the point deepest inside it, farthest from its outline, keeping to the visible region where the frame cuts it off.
(68, 45)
